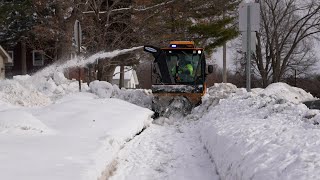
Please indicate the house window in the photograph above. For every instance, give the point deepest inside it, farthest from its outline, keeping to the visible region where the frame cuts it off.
(11, 54)
(38, 58)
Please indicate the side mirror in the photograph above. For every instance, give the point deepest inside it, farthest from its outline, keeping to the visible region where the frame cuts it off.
(210, 69)
(151, 49)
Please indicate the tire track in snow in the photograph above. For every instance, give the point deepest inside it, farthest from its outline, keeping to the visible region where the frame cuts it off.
(165, 152)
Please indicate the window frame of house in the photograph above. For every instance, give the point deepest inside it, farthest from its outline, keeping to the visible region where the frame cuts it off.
(11, 54)
(33, 58)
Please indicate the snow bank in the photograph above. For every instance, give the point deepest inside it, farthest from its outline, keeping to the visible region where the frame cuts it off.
(286, 92)
(263, 135)
(88, 134)
(138, 97)
(102, 89)
(221, 90)
(37, 90)
(49, 84)
(55, 85)
(13, 92)
(41, 90)
(21, 123)
(212, 97)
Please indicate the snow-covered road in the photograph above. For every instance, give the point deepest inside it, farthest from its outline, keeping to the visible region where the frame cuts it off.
(166, 152)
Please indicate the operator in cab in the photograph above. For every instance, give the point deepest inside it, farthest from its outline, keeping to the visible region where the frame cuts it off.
(185, 71)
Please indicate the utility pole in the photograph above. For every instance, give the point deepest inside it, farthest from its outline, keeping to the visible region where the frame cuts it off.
(248, 67)
(224, 76)
(295, 77)
(224, 54)
(78, 39)
(79, 57)
(23, 56)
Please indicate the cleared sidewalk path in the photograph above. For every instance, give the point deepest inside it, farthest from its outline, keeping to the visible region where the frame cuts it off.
(165, 152)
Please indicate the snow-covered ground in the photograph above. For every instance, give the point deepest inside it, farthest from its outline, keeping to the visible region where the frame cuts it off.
(49, 130)
(266, 134)
(75, 137)
(166, 152)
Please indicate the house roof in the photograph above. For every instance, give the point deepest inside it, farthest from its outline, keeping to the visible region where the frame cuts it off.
(5, 55)
(128, 73)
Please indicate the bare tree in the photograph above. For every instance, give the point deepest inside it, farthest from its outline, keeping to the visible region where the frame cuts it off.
(54, 27)
(285, 39)
(106, 27)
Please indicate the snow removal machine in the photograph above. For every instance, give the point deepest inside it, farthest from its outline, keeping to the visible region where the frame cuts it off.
(178, 77)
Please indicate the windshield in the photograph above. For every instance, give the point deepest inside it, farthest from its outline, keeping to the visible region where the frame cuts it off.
(184, 65)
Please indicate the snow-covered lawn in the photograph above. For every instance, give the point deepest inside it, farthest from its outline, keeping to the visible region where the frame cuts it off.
(49, 130)
(74, 138)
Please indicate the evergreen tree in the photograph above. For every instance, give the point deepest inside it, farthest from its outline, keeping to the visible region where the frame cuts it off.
(213, 21)
(16, 19)
(209, 23)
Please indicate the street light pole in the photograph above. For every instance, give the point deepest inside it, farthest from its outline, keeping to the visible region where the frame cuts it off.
(224, 77)
(78, 26)
(224, 54)
(248, 71)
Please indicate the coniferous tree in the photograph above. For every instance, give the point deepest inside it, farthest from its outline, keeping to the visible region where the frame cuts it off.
(16, 20)
(208, 22)
(214, 21)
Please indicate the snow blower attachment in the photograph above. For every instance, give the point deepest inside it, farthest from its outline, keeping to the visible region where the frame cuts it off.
(178, 77)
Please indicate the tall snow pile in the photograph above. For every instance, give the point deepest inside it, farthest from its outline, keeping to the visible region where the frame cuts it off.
(286, 92)
(49, 84)
(212, 97)
(14, 92)
(264, 134)
(45, 88)
(37, 90)
(138, 97)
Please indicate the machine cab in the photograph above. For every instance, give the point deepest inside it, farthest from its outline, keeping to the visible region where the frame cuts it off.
(180, 63)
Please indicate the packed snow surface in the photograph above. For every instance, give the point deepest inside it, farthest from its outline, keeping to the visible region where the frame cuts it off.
(166, 152)
(49, 130)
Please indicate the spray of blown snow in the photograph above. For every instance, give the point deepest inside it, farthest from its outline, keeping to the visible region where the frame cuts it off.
(80, 62)
(48, 84)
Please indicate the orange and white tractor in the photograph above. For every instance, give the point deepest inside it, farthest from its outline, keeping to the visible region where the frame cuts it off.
(179, 77)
